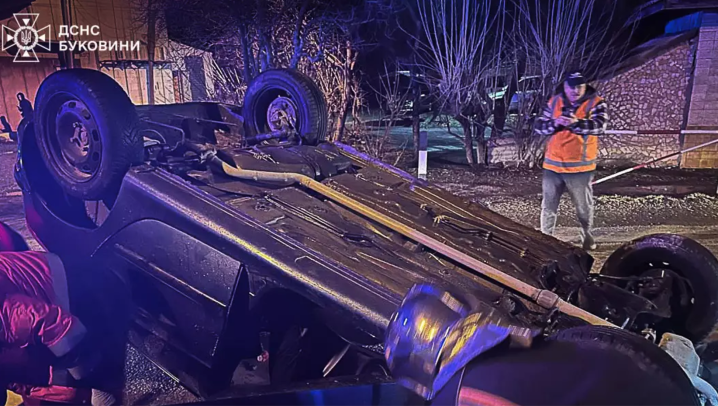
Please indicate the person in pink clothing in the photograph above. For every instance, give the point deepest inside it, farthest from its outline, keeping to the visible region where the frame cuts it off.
(43, 347)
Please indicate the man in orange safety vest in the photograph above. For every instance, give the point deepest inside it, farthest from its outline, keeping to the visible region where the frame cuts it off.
(574, 118)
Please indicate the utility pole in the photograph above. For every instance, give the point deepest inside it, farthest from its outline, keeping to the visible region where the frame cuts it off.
(67, 20)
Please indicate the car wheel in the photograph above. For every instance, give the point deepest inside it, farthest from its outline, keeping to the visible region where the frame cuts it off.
(647, 355)
(694, 311)
(279, 99)
(87, 132)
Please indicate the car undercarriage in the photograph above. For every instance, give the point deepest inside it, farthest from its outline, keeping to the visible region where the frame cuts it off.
(246, 249)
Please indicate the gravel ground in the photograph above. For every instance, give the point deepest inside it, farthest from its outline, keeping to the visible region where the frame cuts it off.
(517, 195)
(619, 218)
(522, 182)
(625, 209)
(148, 385)
(612, 210)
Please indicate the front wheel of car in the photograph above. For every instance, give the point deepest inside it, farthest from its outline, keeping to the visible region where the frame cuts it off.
(87, 132)
(691, 274)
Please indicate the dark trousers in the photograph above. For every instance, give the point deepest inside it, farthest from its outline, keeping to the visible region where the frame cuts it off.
(581, 192)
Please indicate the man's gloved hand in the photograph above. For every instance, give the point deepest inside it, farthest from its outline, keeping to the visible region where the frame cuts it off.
(433, 335)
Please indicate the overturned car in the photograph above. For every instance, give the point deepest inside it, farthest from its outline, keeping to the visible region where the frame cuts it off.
(241, 248)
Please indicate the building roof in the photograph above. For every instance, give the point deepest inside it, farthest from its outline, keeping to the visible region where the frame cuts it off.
(653, 7)
(647, 51)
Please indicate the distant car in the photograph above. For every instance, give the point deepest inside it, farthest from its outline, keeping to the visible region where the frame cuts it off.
(528, 87)
(237, 241)
(403, 107)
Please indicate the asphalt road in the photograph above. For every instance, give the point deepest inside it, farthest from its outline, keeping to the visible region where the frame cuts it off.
(618, 219)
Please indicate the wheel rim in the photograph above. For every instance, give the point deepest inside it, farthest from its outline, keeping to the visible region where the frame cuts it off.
(282, 114)
(74, 139)
(272, 109)
(680, 301)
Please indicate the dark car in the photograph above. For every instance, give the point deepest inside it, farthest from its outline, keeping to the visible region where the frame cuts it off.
(236, 240)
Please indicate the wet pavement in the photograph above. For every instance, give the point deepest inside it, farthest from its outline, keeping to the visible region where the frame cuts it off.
(626, 208)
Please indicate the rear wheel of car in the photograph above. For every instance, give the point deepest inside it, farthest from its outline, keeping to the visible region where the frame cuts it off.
(87, 132)
(694, 309)
(282, 99)
(648, 356)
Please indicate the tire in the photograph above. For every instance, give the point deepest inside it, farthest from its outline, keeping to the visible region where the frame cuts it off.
(646, 354)
(688, 259)
(90, 163)
(311, 114)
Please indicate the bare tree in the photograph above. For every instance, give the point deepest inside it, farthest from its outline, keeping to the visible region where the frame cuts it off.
(393, 98)
(376, 139)
(551, 37)
(341, 41)
(459, 52)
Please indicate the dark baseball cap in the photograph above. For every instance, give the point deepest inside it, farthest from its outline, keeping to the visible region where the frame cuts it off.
(575, 79)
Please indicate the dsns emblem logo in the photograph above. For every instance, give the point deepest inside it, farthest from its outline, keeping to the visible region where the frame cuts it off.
(25, 38)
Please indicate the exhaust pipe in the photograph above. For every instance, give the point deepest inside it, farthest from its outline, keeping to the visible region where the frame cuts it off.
(542, 297)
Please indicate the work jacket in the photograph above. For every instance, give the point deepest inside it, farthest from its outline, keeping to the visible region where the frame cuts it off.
(573, 149)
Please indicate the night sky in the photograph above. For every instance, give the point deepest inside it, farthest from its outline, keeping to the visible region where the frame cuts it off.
(381, 46)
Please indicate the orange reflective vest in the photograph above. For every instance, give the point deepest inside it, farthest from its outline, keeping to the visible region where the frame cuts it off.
(566, 151)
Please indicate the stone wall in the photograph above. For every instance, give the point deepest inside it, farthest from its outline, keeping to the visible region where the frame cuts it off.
(704, 100)
(651, 96)
(503, 150)
(615, 150)
(618, 150)
(703, 114)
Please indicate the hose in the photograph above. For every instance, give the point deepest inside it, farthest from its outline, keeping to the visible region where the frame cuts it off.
(544, 298)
